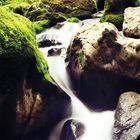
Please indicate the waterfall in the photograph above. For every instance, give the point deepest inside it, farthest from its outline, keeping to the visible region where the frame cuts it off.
(98, 124)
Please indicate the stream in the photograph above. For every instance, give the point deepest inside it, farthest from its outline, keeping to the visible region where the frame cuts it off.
(98, 125)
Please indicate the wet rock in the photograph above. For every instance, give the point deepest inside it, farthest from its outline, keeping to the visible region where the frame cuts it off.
(131, 25)
(72, 130)
(47, 43)
(103, 64)
(29, 99)
(127, 117)
(54, 51)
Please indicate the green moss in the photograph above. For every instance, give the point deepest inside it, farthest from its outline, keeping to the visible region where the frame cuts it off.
(137, 2)
(4, 2)
(96, 4)
(115, 6)
(42, 66)
(34, 14)
(55, 11)
(38, 11)
(116, 19)
(58, 17)
(118, 6)
(41, 25)
(114, 9)
(73, 19)
(78, 8)
(12, 27)
(81, 58)
(19, 8)
(18, 43)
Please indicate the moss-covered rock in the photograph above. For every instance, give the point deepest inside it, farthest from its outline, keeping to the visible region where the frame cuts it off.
(74, 8)
(116, 19)
(38, 10)
(41, 25)
(28, 95)
(53, 11)
(114, 10)
(15, 33)
(73, 19)
(19, 8)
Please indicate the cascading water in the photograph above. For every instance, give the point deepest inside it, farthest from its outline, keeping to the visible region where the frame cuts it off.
(98, 124)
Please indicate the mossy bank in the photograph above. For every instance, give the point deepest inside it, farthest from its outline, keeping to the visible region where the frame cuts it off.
(29, 98)
(52, 11)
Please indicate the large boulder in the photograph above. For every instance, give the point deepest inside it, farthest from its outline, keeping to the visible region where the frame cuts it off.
(127, 117)
(103, 64)
(114, 10)
(131, 25)
(29, 99)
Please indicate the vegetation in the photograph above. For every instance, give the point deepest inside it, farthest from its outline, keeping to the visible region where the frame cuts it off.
(73, 19)
(113, 11)
(81, 58)
(18, 43)
(116, 19)
(41, 25)
(137, 2)
(42, 14)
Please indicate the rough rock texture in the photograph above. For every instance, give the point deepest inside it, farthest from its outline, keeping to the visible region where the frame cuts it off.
(103, 64)
(72, 130)
(127, 117)
(46, 8)
(114, 10)
(46, 13)
(44, 42)
(121, 5)
(131, 25)
(77, 8)
(29, 99)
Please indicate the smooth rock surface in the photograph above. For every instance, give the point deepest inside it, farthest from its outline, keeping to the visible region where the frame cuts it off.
(131, 25)
(127, 117)
(103, 64)
(72, 130)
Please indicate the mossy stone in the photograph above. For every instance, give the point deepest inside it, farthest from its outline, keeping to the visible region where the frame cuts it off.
(74, 8)
(19, 8)
(118, 6)
(116, 19)
(37, 10)
(114, 10)
(73, 19)
(18, 44)
(41, 25)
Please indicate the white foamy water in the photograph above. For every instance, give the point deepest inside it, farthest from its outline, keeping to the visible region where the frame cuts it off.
(98, 124)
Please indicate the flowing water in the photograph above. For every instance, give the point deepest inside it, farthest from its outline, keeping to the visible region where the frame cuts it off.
(98, 125)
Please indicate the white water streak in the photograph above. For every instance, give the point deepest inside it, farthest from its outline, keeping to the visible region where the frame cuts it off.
(98, 124)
